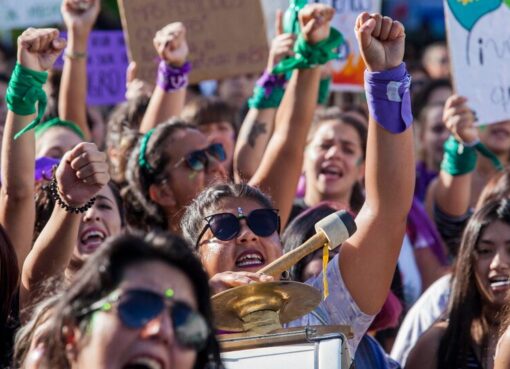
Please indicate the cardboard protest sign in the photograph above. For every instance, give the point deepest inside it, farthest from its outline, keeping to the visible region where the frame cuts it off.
(479, 45)
(106, 68)
(29, 13)
(226, 37)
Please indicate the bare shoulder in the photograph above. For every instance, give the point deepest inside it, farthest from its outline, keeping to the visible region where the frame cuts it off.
(424, 353)
(502, 358)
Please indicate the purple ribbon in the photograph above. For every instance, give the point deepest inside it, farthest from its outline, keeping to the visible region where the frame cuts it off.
(389, 98)
(173, 78)
(268, 81)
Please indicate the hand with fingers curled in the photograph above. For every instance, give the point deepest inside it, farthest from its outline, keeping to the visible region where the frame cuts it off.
(460, 120)
(170, 43)
(226, 280)
(314, 20)
(381, 41)
(81, 174)
(39, 48)
(80, 15)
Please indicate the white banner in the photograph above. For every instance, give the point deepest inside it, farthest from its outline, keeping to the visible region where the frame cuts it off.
(479, 43)
(29, 13)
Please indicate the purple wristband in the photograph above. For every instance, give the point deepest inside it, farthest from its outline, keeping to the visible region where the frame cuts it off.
(268, 81)
(389, 98)
(171, 78)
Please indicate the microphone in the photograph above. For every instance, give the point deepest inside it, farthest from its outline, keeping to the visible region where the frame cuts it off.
(332, 230)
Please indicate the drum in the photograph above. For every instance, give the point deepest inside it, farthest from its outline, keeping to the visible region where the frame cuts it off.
(313, 347)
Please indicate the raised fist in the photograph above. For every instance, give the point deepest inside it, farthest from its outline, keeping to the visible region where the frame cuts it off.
(460, 120)
(380, 40)
(39, 48)
(81, 174)
(170, 43)
(80, 15)
(314, 20)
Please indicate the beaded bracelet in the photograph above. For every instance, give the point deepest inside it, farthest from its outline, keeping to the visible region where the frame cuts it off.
(55, 195)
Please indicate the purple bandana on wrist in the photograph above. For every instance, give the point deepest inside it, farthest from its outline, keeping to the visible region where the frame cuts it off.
(172, 78)
(268, 81)
(389, 98)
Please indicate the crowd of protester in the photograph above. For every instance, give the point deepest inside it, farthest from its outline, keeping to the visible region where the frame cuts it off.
(117, 225)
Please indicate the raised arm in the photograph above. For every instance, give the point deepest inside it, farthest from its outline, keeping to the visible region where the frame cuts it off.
(170, 92)
(368, 259)
(281, 165)
(452, 191)
(72, 100)
(79, 177)
(37, 51)
(258, 125)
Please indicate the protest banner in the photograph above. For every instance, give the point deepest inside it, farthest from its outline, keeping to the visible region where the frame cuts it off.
(479, 46)
(29, 13)
(226, 37)
(106, 68)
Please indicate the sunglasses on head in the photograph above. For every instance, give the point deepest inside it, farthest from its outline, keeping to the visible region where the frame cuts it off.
(226, 226)
(199, 160)
(137, 307)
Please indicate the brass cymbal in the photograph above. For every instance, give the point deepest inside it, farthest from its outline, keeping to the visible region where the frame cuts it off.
(263, 307)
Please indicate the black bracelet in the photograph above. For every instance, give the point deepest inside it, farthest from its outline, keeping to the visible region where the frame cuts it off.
(55, 195)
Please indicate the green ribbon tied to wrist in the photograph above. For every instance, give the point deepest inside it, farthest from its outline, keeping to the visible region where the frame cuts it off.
(309, 56)
(461, 159)
(24, 91)
(260, 100)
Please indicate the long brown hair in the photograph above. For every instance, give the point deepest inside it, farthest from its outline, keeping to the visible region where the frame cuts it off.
(466, 306)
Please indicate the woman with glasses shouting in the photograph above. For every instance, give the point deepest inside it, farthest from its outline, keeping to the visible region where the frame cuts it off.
(235, 227)
(143, 302)
(173, 162)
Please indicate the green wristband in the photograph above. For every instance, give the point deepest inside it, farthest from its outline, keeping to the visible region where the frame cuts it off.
(309, 56)
(322, 99)
(24, 91)
(458, 159)
(259, 100)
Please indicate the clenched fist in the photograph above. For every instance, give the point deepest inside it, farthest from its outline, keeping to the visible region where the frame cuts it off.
(380, 40)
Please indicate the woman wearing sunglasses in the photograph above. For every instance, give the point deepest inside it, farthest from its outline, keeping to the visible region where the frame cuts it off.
(173, 162)
(235, 227)
(141, 303)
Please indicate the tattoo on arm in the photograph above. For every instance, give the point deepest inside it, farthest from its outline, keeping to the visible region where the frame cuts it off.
(257, 129)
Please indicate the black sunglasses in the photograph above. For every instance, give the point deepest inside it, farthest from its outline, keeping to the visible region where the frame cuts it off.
(199, 160)
(137, 307)
(226, 226)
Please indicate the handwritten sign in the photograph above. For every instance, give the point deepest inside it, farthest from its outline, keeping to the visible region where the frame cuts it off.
(226, 37)
(106, 68)
(29, 13)
(479, 39)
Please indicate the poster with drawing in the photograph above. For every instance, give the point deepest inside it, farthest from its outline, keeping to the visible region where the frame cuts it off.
(479, 45)
(349, 68)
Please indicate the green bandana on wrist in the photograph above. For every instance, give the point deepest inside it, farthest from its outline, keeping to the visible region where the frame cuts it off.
(24, 91)
(458, 159)
(57, 122)
(461, 159)
(259, 100)
(142, 159)
(482, 149)
(309, 56)
(322, 99)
